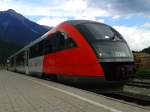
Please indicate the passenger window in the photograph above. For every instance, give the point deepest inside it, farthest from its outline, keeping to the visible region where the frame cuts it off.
(36, 50)
(58, 42)
(70, 43)
(55, 42)
(47, 46)
(31, 55)
(20, 58)
(61, 41)
(41, 47)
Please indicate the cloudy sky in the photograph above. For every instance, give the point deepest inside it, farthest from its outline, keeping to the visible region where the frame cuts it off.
(130, 17)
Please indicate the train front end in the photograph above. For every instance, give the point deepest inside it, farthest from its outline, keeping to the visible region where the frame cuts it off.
(112, 51)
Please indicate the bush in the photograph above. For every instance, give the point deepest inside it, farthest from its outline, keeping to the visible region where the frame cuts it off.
(143, 72)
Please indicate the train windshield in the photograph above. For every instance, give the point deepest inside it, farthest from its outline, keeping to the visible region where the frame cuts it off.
(106, 41)
(97, 31)
(111, 49)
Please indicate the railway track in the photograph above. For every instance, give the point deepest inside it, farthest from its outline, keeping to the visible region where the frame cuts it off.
(136, 91)
(139, 82)
(131, 97)
(126, 96)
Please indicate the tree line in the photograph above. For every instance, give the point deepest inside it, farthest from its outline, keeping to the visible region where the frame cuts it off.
(7, 49)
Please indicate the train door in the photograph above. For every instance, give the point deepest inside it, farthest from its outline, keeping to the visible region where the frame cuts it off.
(26, 61)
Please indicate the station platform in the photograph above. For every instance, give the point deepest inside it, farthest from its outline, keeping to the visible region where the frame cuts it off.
(21, 93)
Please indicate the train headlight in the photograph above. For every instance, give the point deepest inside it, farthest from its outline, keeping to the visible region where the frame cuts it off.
(105, 54)
(102, 54)
(120, 54)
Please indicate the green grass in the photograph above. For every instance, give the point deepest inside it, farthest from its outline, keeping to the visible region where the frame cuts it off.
(143, 72)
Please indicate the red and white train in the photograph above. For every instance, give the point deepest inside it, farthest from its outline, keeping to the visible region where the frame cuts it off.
(77, 51)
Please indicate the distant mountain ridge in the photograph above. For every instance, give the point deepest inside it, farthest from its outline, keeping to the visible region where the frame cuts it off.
(17, 29)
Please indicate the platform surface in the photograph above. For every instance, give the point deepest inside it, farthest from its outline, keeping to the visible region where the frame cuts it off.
(20, 93)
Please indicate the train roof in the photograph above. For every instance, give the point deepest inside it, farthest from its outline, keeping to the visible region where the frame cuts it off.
(77, 22)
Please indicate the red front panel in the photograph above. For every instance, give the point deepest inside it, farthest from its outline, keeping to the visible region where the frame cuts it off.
(80, 61)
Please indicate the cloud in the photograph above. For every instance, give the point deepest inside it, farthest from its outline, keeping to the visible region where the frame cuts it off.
(100, 20)
(51, 21)
(52, 8)
(117, 8)
(57, 20)
(93, 8)
(146, 25)
(137, 37)
(89, 18)
(74, 5)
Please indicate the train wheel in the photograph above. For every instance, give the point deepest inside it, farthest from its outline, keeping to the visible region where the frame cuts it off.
(44, 76)
(52, 77)
(60, 78)
(67, 79)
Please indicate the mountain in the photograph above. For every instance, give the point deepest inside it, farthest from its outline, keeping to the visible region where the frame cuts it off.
(15, 28)
(16, 31)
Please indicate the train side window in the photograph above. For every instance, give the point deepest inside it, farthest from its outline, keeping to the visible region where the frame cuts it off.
(53, 43)
(47, 46)
(31, 52)
(70, 43)
(41, 48)
(34, 51)
(50, 44)
(58, 42)
(20, 58)
(12, 61)
(60, 39)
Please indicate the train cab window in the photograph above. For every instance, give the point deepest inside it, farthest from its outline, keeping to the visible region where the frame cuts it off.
(70, 43)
